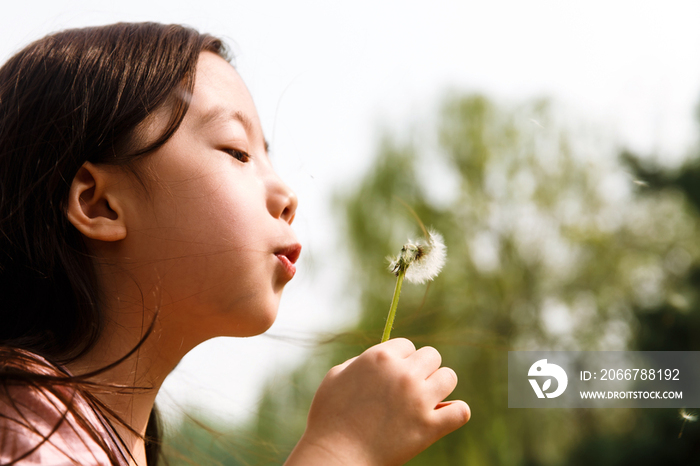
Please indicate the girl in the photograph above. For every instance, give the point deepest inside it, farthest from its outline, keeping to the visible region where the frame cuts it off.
(139, 217)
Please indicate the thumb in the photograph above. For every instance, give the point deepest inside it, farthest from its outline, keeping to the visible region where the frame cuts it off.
(451, 415)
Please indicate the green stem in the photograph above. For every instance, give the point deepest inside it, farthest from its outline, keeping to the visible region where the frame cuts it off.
(394, 305)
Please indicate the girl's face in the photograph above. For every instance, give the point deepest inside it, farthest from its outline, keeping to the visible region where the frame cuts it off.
(216, 239)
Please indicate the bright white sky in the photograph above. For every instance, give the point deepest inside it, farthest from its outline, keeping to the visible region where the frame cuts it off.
(328, 76)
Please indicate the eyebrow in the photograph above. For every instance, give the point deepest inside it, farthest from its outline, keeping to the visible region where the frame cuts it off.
(219, 114)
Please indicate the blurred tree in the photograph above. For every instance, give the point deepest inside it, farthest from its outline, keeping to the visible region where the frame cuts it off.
(669, 325)
(552, 244)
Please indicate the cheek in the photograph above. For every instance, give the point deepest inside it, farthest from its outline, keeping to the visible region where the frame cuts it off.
(212, 247)
(239, 271)
(233, 216)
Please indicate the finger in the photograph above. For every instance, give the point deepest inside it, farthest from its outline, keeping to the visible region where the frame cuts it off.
(442, 382)
(340, 367)
(399, 347)
(451, 415)
(427, 360)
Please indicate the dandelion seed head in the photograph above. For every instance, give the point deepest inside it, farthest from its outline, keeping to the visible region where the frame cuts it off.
(688, 416)
(422, 259)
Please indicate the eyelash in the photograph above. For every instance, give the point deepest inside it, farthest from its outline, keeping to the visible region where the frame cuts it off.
(238, 154)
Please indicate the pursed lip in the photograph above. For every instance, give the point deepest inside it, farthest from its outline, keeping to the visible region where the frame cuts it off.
(291, 252)
(287, 256)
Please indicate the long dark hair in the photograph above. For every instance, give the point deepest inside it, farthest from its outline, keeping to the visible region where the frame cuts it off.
(71, 97)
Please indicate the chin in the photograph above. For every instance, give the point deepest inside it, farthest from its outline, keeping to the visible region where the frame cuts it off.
(256, 324)
(261, 327)
(246, 318)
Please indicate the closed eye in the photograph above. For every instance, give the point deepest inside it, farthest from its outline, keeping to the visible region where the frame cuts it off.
(238, 154)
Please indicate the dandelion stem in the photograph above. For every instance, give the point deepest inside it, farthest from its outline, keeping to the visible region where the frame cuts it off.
(394, 305)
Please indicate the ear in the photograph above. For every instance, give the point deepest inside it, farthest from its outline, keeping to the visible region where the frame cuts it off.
(93, 205)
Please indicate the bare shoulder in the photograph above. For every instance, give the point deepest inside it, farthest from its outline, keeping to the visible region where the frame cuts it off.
(44, 423)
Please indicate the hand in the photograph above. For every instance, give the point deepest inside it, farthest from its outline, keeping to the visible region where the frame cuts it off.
(381, 408)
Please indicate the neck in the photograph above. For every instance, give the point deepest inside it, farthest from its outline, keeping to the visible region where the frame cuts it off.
(141, 374)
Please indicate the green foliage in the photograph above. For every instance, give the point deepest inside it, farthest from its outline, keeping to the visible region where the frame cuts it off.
(552, 244)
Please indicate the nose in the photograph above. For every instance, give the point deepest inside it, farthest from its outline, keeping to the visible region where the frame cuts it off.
(282, 201)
